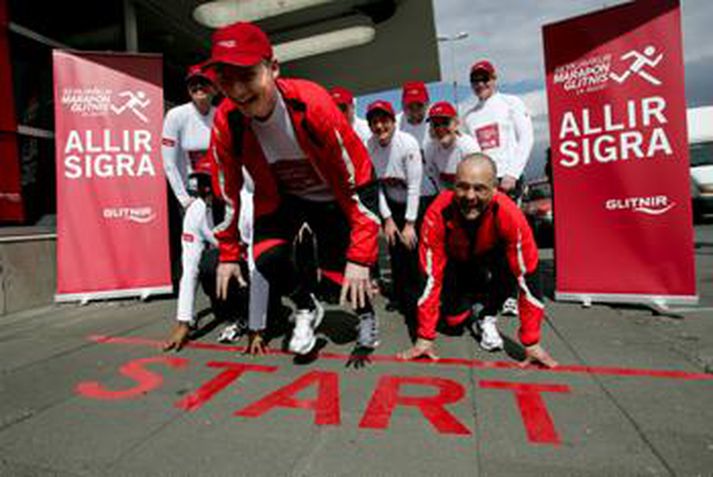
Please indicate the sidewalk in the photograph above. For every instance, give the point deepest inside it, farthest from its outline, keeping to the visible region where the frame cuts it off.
(85, 391)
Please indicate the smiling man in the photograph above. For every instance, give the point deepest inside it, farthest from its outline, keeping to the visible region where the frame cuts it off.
(309, 166)
(472, 238)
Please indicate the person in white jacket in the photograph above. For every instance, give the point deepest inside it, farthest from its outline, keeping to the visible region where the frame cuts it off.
(448, 146)
(502, 126)
(412, 120)
(186, 133)
(398, 164)
(199, 259)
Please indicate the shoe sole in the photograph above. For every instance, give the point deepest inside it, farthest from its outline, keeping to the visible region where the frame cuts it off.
(490, 348)
(306, 349)
(317, 321)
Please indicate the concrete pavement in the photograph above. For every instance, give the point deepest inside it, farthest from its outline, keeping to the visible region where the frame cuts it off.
(85, 391)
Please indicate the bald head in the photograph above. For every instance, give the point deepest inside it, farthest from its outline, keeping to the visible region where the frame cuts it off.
(480, 165)
(476, 180)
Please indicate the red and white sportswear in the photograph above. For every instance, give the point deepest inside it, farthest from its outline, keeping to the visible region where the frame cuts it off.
(444, 238)
(503, 128)
(185, 140)
(329, 144)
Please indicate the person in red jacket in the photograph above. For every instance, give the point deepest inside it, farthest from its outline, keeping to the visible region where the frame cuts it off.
(308, 166)
(471, 238)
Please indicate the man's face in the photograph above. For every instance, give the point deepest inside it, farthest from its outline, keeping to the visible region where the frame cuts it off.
(348, 111)
(474, 189)
(251, 88)
(415, 112)
(444, 129)
(382, 126)
(483, 84)
(200, 89)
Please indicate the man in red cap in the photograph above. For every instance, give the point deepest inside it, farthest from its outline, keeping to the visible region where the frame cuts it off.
(472, 237)
(447, 146)
(186, 133)
(346, 104)
(397, 159)
(503, 128)
(412, 120)
(309, 166)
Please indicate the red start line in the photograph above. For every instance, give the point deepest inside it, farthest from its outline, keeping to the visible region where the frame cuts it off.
(388, 394)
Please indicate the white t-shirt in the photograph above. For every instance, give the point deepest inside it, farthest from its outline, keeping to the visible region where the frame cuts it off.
(503, 128)
(420, 132)
(399, 168)
(290, 165)
(185, 139)
(361, 127)
(442, 163)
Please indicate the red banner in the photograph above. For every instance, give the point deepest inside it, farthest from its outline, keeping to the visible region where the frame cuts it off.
(617, 115)
(11, 205)
(112, 223)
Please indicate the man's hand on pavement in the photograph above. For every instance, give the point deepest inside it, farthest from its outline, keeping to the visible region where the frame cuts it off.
(256, 344)
(422, 347)
(537, 355)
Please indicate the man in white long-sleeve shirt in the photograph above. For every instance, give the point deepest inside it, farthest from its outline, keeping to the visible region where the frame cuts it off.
(412, 120)
(448, 146)
(503, 128)
(397, 161)
(186, 133)
(199, 258)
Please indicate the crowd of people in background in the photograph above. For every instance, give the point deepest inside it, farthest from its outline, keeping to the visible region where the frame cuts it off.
(284, 193)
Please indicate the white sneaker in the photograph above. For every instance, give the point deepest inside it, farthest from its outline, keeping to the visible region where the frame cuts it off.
(306, 321)
(232, 332)
(490, 339)
(510, 307)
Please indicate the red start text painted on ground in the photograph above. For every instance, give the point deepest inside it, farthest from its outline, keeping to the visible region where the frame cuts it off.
(316, 393)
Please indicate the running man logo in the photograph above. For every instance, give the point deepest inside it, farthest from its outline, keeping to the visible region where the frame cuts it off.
(134, 102)
(640, 61)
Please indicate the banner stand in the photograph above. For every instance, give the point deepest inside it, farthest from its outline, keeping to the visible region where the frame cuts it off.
(112, 220)
(140, 293)
(620, 159)
(658, 303)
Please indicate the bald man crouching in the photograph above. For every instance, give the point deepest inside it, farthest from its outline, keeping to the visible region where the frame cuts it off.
(471, 239)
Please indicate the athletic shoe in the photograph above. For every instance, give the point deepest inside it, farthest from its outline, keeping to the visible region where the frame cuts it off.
(510, 307)
(368, 330)
(490, 339)
(232, 332)
(306, 321)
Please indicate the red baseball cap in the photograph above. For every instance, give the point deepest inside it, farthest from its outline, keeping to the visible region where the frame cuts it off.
(196, 71)
(442, 109)
(483, 65)
(239, 44)
(380, 105)
(342, 95)
(414, 92)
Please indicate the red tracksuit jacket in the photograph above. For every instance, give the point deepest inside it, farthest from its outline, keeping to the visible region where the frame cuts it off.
(443, 238)
(330, 144)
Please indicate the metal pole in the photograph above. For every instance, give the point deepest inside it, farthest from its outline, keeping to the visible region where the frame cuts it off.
(130, 31)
